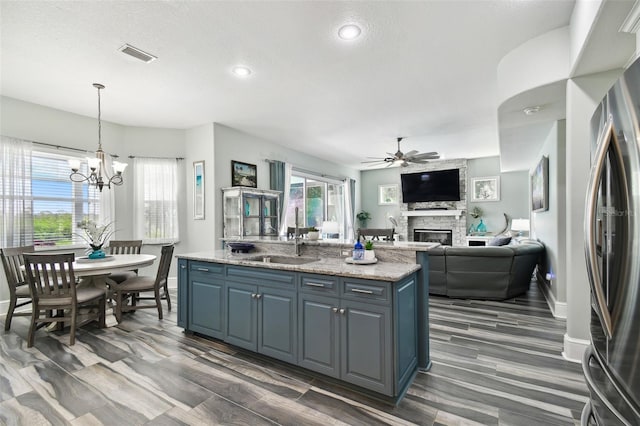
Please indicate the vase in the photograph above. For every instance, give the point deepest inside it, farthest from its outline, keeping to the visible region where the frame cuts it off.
(472, 229)
(313, 235)
(96, 251)
(481, 227)
(369, 254)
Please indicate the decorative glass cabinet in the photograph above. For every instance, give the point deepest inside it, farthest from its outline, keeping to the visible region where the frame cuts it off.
(250, 212)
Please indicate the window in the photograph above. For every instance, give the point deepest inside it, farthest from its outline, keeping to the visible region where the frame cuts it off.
(59, 205)
(156, 200)
(319, 199)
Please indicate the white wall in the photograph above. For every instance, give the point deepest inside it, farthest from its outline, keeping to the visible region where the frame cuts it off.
(549, 226)
(231, 144)
(41, 124)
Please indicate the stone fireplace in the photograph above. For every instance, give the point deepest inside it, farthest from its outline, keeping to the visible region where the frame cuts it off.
(442, 236)
(436, 216)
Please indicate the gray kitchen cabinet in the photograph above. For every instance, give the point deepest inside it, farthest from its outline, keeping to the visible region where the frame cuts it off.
(262, 318)
(206, 298)
(318, 334)
(183, 277)
(360, 331)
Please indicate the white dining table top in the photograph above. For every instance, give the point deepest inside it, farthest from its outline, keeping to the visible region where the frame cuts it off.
(113, 263)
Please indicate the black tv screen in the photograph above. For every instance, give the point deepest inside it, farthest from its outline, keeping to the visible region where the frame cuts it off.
(435, 185)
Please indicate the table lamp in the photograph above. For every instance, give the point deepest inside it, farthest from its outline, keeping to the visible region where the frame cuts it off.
(520, 225)
(330, 229)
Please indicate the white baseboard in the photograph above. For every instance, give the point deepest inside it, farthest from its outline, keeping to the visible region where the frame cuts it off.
(574, 348)
(558, 309)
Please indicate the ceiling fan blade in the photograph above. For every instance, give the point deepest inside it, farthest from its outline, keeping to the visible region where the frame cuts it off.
(426, 155)
(411, 153)
(379, 160)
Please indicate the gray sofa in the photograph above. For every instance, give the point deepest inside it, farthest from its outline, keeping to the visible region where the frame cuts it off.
(483, 272)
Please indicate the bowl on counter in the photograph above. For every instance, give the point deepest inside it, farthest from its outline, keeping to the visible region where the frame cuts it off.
(240, 247)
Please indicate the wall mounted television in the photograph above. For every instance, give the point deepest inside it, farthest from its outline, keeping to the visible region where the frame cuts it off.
(434, 185)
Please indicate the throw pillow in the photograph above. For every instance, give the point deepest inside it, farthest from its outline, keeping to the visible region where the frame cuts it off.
(499, 241)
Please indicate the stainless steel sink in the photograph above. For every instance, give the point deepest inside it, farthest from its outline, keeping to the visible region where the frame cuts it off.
(285, 260)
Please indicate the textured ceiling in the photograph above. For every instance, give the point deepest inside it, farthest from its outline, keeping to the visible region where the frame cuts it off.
(425, 70)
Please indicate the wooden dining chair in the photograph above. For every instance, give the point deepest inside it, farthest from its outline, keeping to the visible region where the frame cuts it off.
(124, 247)
(19, 293)
(376, 233)
(53, 287)
(132, 288)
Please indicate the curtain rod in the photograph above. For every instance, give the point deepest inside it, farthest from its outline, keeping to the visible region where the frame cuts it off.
(158, 158)
(68, 148)
(310, 172)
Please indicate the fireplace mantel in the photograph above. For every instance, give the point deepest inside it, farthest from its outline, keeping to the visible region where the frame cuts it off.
(456, 213)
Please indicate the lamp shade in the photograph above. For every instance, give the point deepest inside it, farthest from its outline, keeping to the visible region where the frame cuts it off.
(520, 225)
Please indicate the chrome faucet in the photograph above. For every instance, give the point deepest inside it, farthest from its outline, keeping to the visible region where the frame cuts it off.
(297, 236)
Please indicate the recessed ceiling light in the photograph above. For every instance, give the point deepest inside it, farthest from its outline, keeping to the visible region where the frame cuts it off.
(531, 110)
(349, 32)
(241, 71)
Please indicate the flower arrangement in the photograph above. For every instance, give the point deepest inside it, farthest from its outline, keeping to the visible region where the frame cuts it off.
(476, 212)
(95, 235)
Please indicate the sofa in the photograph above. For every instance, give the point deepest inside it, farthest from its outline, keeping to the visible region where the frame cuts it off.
(494, 273)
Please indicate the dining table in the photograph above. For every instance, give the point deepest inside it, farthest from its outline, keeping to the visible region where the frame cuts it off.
(95, 272)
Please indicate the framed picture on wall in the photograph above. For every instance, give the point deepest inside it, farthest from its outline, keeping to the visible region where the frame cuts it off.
(540, 186)
(388, 194)
(485, 189)
(198, 190)
(244, 174)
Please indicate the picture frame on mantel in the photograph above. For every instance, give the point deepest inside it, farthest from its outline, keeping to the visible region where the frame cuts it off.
(244, 174)
(198, 190)
(485, 189)
(388, 194)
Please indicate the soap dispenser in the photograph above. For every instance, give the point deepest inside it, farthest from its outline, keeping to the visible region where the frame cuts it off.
(358, 251)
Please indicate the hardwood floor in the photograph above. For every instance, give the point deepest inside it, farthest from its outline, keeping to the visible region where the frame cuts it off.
(493, 363)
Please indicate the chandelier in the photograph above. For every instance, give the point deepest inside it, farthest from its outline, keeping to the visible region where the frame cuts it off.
(98, 176)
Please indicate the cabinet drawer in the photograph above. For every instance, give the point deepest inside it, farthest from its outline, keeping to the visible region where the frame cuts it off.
(320, 284)
(357, 289)
(206, 267)
(261, 276)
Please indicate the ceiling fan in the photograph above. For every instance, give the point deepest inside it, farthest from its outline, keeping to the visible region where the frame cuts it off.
(412, 156)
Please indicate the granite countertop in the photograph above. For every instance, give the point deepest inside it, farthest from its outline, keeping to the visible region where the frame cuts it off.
(383, 271)
(390, 245)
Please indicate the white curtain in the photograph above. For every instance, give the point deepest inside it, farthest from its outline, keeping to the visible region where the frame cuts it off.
(107, 205)
(348, 207)
(285, 198)
(15, 192)
(155, 198)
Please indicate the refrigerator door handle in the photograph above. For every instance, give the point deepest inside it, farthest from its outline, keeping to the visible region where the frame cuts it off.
(586, 358)
(593, 272)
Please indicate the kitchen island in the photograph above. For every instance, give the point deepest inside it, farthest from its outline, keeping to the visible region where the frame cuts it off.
(359, 324)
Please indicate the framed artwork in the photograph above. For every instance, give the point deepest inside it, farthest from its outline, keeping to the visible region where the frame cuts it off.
(540, 186)
(198, 190)
(244, 174)
(388, 194)
(485, 189)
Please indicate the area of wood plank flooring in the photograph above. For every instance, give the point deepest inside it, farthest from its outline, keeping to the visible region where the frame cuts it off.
(494, 363)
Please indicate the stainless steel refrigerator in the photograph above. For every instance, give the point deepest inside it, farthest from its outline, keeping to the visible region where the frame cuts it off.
(612, 247)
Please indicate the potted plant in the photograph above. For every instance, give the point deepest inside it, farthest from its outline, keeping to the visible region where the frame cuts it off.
(363, 217)
(369, 254)
(314, 233)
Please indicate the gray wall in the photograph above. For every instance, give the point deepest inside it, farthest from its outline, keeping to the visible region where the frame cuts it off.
(231, 144)
(514, 197)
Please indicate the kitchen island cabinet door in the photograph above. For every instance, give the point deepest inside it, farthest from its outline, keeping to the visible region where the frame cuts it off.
(206, 295)
(241, 315)
(318, 334)
(277, 323)
(366, 340)
(183, 307)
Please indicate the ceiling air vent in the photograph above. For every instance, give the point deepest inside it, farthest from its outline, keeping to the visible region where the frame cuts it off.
(137, 53)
